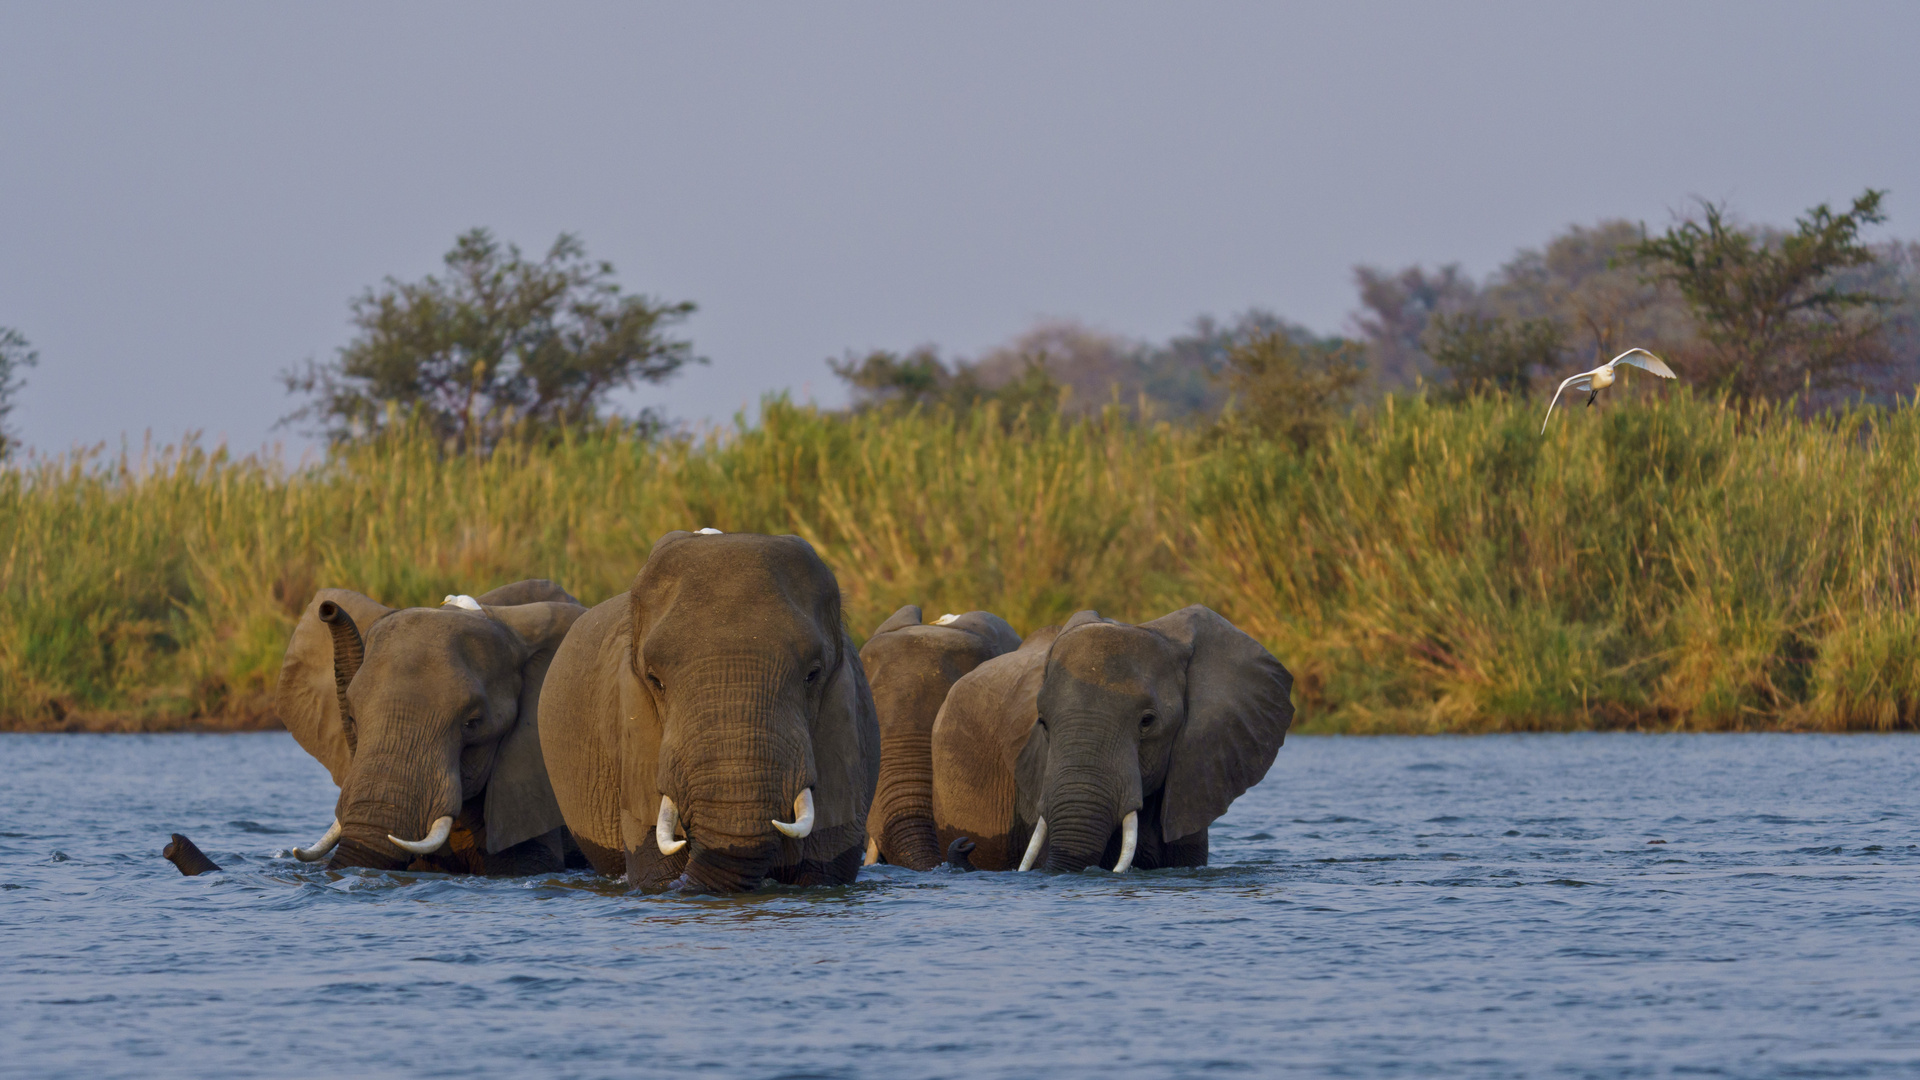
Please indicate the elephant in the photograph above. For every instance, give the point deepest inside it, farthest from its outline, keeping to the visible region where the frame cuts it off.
(1100, 742)
(428, 719)
(713, 727)
(910, 665)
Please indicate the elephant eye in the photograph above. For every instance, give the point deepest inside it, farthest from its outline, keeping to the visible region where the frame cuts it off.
(471, 723)
(1146, 721)
(813, 674)
(1042, 721)
(655, 680)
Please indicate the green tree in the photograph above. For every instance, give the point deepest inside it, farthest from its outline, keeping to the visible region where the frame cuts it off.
(883, 379)
(1772, 313)
(1484, 354)
(16, 355)
(1289, 390)
(498, 339)
(919, 378)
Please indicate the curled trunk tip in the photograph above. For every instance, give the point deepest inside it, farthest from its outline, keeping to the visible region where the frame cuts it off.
(348, 652)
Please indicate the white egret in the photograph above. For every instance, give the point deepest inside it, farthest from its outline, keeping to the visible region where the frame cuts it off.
(1592, 382)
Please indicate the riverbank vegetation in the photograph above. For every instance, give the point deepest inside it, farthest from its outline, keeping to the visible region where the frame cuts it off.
(1382, 510)
(1661, 561)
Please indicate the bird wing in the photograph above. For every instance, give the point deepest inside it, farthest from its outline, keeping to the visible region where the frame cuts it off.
(1645, 361)
(1588, 375)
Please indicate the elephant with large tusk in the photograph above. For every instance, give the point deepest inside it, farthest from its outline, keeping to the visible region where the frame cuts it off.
(1100, 743)
(911, 664)
(713, 727)
(428, 719)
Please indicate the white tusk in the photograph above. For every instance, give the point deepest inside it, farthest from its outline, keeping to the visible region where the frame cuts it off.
(319, 850)
(1034, 845)
(666, 825)
(437, 836)
(802, 817)
(873, 852)
(1129, 839)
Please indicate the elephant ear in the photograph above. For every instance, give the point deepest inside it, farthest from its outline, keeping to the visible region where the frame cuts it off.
(520, 803)
(531, 591)
(1239, 705)
(1030, 774)
(906, 616)
(846, 756)
(306, 697)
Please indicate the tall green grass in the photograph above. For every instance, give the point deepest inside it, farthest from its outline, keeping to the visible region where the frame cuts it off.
(1661, 563)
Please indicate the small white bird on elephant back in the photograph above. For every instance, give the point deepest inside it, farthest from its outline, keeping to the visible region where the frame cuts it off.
(1592, 382)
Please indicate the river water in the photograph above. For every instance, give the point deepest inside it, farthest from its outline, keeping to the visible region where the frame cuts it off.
(1483, 907)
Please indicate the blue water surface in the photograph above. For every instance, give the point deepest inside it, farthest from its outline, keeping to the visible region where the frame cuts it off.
(1478, 907)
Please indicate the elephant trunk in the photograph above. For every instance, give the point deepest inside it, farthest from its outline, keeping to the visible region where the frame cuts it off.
(903, 803)
(348, 652)
(741, 787)
(712, 870)
(1085, 810)
(400, 796)
(730, 847)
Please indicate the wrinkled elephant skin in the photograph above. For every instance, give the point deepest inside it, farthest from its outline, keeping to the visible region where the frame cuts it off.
(1106, 744)
(713, 727)
(430, 715)
(911, 665)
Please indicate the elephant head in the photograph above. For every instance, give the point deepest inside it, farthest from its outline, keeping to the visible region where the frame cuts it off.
(713, 727)
(911, 665)
(1108, 743)
(428, 720)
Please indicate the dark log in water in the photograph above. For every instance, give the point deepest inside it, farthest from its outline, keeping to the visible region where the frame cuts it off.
(190, 859)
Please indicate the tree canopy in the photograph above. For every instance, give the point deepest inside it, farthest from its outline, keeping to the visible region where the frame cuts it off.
(1772, 312)
(1291, 390)
(498, 339)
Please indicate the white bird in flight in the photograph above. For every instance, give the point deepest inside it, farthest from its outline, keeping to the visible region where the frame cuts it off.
(1592, 382)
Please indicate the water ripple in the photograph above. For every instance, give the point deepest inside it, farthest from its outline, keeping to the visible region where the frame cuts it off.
(1583, 906)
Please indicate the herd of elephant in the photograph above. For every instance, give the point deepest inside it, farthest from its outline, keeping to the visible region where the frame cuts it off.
(714, 727)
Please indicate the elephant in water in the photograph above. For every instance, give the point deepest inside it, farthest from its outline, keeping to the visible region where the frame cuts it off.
(911, 665)
(428, 720)
(1103, 742)
(713, 727)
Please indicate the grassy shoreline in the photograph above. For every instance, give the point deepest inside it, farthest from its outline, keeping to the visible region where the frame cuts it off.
(1661, 564)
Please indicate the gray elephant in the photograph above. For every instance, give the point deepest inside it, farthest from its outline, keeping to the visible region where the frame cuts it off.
(1105, 743)
(428, 719)
(713, 726)
(911, 665)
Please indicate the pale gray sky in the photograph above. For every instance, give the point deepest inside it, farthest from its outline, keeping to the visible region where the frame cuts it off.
(190, 193)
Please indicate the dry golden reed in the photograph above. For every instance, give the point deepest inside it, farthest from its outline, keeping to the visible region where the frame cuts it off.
(1662, 563)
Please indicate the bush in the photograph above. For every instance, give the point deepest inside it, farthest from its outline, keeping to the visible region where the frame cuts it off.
(1434, 568)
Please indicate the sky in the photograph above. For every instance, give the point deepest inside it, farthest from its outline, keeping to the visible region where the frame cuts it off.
(191, 194)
